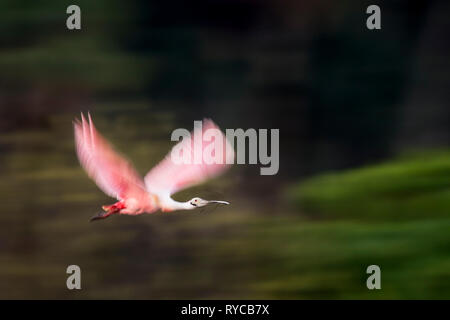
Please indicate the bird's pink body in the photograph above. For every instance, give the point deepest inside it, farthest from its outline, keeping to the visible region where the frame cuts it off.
(116, 177)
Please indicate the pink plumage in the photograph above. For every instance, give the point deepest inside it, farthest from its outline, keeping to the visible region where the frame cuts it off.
(170, 177)
(116, 177)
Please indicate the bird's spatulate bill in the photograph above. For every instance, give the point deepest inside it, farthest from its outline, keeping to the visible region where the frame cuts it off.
(218, 201)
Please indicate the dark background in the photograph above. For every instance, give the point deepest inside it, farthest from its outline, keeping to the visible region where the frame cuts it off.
(364, 159)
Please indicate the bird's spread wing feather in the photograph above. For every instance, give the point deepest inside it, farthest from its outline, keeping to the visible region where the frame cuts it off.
(169, 177)
(112, 173)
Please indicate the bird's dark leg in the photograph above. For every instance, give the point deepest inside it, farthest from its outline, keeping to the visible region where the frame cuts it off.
(106, 214)
(100, 215)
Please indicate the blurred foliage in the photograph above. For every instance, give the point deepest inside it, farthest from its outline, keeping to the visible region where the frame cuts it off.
(407, 197)
(52, 55)
(79, 62)
(339, 94)
(412, 186)
(311, 260)
(255, 248)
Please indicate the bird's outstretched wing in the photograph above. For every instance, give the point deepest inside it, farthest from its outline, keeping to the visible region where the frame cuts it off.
(169, 177)
(112, 173)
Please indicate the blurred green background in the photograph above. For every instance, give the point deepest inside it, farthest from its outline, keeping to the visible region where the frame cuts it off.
(364, 158)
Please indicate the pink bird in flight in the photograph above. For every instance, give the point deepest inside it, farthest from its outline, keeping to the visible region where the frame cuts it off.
(117, 178)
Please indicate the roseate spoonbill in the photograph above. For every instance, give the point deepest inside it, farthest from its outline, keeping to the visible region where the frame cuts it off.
(116, 177)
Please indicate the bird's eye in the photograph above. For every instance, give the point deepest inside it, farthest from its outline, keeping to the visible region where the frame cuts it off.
(195, 200)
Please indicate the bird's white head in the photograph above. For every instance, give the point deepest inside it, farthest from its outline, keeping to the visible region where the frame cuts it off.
(199, 202)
